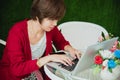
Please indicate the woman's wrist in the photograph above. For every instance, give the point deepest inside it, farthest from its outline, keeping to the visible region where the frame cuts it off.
(39, 63)
(68, 48)
(43, 60)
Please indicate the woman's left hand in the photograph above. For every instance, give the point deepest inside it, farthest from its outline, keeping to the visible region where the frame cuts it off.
(73, 52)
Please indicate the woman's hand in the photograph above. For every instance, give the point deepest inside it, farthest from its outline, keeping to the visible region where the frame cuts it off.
(73, 52)
(62, 58)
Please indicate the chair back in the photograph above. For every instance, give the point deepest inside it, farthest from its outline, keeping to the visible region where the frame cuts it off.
(2, 42)
(81, 34)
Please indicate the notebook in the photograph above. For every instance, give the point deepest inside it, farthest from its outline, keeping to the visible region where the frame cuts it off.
(86, 60)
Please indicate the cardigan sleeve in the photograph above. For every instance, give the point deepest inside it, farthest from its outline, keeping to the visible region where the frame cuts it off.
(20, 65)
(58, 39)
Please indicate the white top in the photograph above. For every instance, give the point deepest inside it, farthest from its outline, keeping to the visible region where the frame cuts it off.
(38, 48)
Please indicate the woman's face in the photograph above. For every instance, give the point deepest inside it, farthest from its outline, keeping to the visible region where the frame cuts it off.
(48, 24)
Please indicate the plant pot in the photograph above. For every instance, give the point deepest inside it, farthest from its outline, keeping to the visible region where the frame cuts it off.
(107, 75)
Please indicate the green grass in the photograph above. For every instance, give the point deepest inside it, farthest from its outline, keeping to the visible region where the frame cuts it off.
(103, 12)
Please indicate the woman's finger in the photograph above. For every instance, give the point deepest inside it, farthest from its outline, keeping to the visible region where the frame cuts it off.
(63, 62)
(78, 54)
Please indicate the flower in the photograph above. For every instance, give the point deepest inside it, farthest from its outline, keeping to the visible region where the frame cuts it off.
(109, 58)
(117, 53)
(98, 60)
(111, 63)
(105, 53)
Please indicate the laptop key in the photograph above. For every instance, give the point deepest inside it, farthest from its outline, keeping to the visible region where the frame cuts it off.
(70, 68)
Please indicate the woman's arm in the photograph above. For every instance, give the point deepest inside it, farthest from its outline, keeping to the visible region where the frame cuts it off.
(62, 58)
(58, 39)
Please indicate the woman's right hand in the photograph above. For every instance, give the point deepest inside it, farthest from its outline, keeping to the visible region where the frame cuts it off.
(62, 58)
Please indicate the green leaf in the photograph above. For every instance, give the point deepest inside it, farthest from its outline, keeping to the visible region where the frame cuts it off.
(97, 69)
(118, 45)
(103, 35)
(117, 62)
(110, 70)
(111, 35)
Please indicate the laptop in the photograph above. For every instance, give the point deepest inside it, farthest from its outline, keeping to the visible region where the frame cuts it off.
(86, 60)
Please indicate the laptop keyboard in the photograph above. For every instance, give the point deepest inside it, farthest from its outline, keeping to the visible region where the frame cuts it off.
(70, 68)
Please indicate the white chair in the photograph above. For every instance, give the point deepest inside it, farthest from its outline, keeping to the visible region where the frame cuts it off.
(2, 42)
(80, 35)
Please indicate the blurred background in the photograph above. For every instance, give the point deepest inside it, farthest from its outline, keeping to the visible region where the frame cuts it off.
(102, 12)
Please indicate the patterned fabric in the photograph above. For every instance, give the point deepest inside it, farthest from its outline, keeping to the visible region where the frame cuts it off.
(36, 75)
(31, 77)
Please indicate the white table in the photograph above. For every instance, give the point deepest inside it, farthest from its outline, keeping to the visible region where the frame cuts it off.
(51, 74)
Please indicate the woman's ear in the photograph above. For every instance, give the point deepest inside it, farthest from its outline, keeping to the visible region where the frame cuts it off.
(37, 18)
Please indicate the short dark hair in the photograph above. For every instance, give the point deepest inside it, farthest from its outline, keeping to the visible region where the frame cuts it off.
(52, 9)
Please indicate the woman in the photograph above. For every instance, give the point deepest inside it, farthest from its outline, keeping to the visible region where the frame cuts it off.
(29, 42)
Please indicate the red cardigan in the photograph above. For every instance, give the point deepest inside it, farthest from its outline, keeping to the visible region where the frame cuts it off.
(17, 62)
